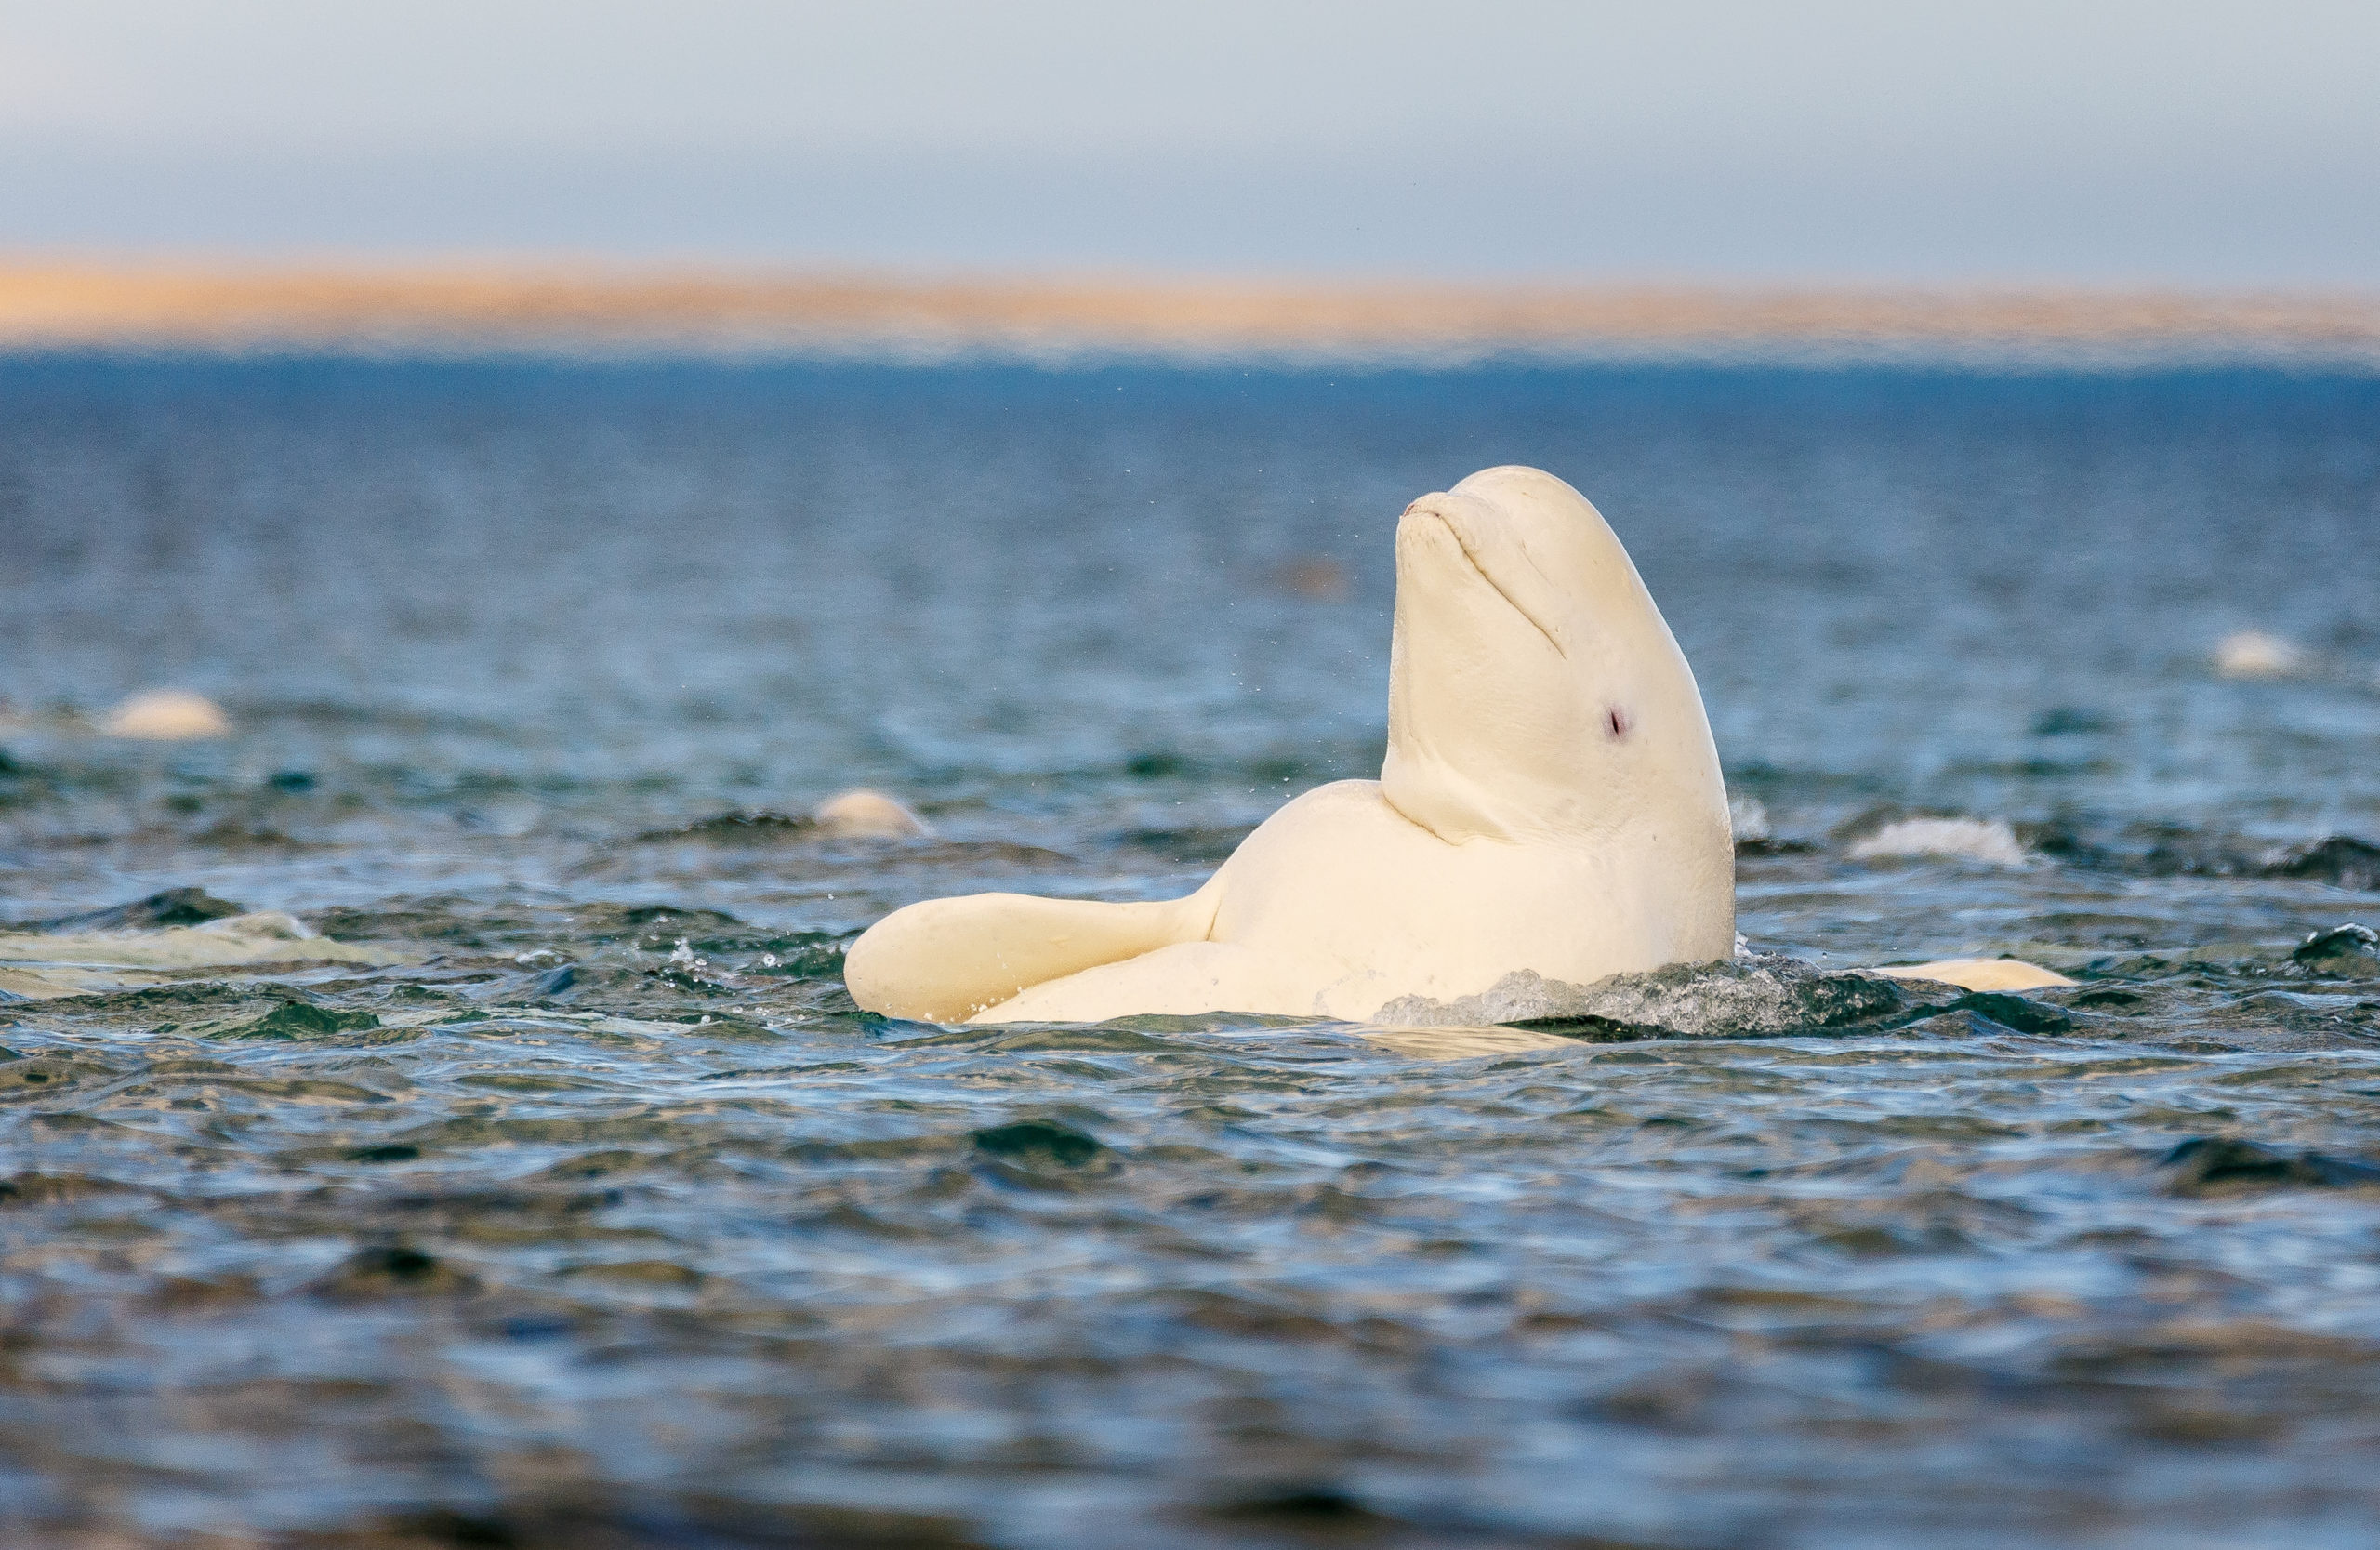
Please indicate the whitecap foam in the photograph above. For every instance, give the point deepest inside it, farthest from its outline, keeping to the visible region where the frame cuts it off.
(2251, 654)
(1985, 839)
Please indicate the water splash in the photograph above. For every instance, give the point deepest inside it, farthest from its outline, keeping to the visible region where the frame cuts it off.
(1756, 995)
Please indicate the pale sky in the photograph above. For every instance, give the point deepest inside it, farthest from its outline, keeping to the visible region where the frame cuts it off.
(2111, 142)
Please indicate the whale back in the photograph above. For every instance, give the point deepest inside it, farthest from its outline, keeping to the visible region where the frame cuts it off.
(1535, 690)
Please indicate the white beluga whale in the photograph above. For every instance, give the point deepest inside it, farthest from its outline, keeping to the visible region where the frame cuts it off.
(167, 715)
(860, 813)
(1550, 801)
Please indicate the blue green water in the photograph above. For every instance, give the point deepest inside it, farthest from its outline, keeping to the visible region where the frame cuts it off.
(605, 1219)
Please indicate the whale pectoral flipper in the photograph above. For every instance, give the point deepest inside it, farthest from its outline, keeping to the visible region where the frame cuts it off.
(1184, 979)
(946, 960)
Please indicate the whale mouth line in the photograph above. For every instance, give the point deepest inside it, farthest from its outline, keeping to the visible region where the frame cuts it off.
(1471, 559)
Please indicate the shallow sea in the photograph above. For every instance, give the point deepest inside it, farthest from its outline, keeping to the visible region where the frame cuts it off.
(601, 1218)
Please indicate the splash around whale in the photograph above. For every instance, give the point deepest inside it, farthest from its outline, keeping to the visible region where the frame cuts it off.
(1551, 803)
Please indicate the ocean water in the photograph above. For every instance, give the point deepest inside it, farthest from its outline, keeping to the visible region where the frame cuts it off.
(577, 1206)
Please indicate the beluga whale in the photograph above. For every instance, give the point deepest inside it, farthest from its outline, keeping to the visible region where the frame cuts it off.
(1550, 801)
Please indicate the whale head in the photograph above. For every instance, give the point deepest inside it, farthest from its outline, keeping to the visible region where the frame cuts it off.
(1535, 692)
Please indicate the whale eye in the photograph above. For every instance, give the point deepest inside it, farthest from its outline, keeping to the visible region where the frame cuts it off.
(1616, 722)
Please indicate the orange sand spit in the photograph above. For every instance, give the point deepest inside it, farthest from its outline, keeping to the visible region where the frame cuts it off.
(577, 310)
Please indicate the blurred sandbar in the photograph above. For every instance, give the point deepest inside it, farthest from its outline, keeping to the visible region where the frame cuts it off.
(579, 309)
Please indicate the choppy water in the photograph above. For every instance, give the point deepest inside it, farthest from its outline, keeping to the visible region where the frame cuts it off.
(602, 1219)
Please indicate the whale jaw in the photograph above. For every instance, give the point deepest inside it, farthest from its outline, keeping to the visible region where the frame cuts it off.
(1470, 523)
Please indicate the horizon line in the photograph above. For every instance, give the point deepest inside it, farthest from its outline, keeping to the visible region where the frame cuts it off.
(572, 305)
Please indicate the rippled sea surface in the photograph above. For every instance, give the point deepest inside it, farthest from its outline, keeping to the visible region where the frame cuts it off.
(586, 1211)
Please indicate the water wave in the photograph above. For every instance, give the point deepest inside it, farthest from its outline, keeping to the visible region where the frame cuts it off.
(1752, 996)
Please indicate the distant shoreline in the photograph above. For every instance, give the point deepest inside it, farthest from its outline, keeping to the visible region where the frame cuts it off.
(586, 310)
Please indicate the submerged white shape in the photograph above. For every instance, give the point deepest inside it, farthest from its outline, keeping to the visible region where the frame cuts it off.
(166, 716)
(860, 813)
(1989, 840)
(2253, 653)
(41, 964)
(1979, 973)
(1550, 801)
